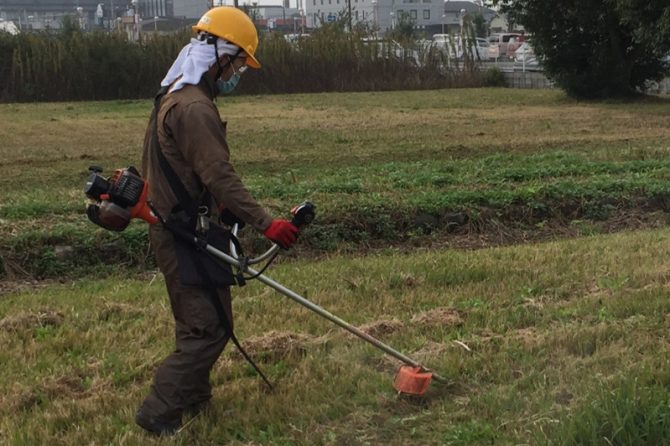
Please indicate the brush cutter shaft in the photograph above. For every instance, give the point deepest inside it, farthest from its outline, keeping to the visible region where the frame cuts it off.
(321, 312)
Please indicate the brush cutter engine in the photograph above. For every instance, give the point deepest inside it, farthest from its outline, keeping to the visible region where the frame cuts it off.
(117, 199)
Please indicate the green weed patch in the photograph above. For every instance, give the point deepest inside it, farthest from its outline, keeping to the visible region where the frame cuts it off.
(630, 412)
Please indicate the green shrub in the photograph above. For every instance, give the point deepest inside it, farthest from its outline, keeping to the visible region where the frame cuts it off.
(493, 77)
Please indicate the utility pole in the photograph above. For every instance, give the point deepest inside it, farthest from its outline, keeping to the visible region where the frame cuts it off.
(445, 15)
(111, 16)
(349, 11)
(374, 17)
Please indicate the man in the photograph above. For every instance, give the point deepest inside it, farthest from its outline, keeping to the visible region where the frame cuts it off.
(192, 144)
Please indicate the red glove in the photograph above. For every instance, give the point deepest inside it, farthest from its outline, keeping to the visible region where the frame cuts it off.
(282, 232)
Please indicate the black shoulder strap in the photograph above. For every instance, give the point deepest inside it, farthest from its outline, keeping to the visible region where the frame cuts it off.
(187, 204)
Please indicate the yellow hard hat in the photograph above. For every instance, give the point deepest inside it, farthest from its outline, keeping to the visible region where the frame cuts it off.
(234, 26)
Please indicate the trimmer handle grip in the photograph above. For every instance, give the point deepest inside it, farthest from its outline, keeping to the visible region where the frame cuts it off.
(303, 214)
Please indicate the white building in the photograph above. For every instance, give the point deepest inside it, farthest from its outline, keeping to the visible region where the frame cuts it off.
(192, 9)
(432, 16)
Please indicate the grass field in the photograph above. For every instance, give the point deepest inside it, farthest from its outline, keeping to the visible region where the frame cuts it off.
(562, 341)
(498, 166)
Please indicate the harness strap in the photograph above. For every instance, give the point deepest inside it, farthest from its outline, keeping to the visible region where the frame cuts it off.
(187, 203)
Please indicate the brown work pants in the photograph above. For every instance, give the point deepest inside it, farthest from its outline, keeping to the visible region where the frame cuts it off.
(182, 379)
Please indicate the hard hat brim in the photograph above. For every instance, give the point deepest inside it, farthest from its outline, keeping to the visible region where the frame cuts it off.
(253, 62)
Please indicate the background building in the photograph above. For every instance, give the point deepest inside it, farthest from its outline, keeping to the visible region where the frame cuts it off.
(40, 14)
(429, 16)
(192, 9)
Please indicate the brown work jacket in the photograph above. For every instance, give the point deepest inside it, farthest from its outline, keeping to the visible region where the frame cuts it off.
(193, 140)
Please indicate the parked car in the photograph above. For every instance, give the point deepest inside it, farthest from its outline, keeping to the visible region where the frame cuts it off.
(500, 44)
(525, 58)
(523, 53)
(483, 48)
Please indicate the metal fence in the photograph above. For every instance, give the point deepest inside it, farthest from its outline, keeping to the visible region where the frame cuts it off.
(537, 79)
(527, 79)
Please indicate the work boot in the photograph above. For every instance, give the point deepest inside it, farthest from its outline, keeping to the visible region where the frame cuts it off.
(155, 425)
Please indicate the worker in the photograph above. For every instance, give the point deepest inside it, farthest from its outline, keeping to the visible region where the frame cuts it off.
(187, 162)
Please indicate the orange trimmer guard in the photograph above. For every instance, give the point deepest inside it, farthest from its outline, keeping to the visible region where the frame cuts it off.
(412, 380)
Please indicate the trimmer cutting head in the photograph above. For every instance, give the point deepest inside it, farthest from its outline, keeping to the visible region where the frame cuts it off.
(412, 380)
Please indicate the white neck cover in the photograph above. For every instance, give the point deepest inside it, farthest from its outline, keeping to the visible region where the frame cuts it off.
(193, 61)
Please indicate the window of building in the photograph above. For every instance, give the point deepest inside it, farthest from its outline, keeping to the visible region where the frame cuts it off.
(322, 2)
(330, 2)
(356, 15)
(412, 14)
(314, 2)
(426, 14)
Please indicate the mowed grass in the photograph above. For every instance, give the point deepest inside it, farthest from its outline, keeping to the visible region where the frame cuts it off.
(557, 343)
(278, 134)
(382, 167)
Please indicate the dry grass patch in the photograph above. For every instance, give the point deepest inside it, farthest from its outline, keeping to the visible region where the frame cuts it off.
(28, 320)
(382, 327)
(444, 317)
(275, 346)
(433, 350)
(111, 310)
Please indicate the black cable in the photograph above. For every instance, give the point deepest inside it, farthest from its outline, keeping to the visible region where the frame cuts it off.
(274, 256)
